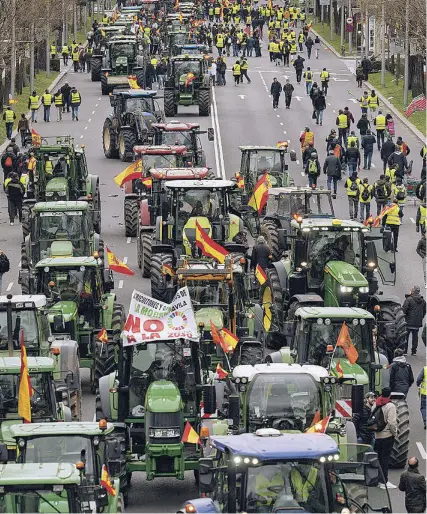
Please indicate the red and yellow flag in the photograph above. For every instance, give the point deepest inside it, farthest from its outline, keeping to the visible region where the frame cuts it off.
(270, 4)
(190, 435)
(320, 427)
(369, 221)
(344, 341)
(230, 340)
(106, 482)
(147, 182)
(309, 25)
(220, 371)
(180, 17)
(102, 336)
(133, 83)
(338, 369)
(260, 275)
(208, 246)
(316, 418)
(36, 139)
(133, 171)
(168, 270)
(381, 215)
(190, 76)
(117, 265)
(260, 194)
(25, 388)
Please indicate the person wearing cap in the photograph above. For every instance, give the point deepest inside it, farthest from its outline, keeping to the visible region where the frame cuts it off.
(360, 420)
(413, 484)
(401, 375)
(384, 439)
(414, 308)
(261, 254)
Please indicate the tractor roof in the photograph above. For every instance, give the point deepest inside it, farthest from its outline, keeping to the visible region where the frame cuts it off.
(276, 191)
(207, 270)
(135, 93)
(259, 148)
(160, 149)
(63, 473)
(187, 57)
(67, 262)
(333, 313)
(330, 222)
(248, 371)
(20, 301)
(60, 206)
(122, 39)
(178, 173)
(201, 184)
(86, 429)
(276, 447)
(176, 125)
(35, 365)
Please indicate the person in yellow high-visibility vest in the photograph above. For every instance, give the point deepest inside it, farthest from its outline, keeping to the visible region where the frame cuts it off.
(9, 117)
(236, 73)
(422, 384)
(374, 103)
(420, 221)
(33, 105)
(380, 123)
(65, 52)
(392, 220)
(47, 101)
(53, 50)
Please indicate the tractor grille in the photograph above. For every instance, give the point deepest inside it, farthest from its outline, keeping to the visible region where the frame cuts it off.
(156, 421)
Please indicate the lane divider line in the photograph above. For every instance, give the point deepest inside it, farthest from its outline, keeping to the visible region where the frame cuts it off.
(9, 287)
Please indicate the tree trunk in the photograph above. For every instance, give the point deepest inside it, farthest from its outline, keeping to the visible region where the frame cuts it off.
(416, 75)
(337, 18)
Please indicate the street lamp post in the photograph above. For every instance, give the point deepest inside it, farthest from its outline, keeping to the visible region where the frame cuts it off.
(383, 44)
(406, 72)
(13, 51)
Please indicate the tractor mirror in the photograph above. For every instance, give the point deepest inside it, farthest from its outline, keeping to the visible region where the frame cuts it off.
(371, 469)
(3, 453)
(289, 329)
(113, 101)
(211, 134)
(206, 475)
(58, 323)
(371, 256)
(357, 398)
(108, 280)
(300, 252)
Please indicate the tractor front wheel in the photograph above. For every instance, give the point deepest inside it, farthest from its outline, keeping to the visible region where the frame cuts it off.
(131, 216)
(159, 280)
(109, 140)
(170, 107)
(269, 231)
(146, 239)
(24, 256)
(127, 140)
(26, 213)
(204, 102)
(399, 453)
(105, 88)
(95, 69)
(391, 327)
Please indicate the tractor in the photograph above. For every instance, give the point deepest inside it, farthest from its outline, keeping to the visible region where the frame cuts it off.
(81, 306)
(151, 157)
(178, 133)
(158, 387)
(287, 203)
(130, 123)
(61, 174)
(24, 319)
(60, 229)
(150, 200)
(172, 38)
(99, 46)
(187, 84)
(123, 57)
(268, 471)
(52, 487)
(206, 202)
(189, 49)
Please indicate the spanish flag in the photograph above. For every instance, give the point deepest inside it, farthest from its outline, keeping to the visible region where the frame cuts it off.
(230, 340)
(369, 221)
(36, 139)
(320, 427)
(220, 371)
(180, 17)
(117, 265)
(381, 215)
(133, 84)
(147, 182)
(190, 76)
(208, 246)
(190, 435)
(344, 341)
(316, 418)
(102, 336)
(309, 25)
(260, 194)
(260, 275)
(133, 171)
(168, 270)
(106, 482)
(25, 389)
(338, 369)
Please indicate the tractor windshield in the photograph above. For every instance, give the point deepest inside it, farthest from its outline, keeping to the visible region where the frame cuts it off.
(179, 39)
(201, 202)
(286, 486)
(23, 321)
(41, 402)
(285, 401)
(140, 104)
(71, 284)
(175, 137)
(184, 67)
(264, 160)
(303, 204)
(69, 226)
(123, 50)
(159, 161)
(207, 293)
(20, 499)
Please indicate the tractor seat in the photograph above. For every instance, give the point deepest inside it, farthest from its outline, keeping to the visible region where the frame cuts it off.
(190, 228)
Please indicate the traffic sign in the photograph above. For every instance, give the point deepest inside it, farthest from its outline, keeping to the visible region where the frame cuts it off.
(349, 21)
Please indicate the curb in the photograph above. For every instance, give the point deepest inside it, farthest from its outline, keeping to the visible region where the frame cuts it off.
(384, 100)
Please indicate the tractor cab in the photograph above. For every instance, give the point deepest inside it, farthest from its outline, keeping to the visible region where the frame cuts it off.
(176, 38)
(186, 70)
(268, 471)
(134, 100)
(189, 49)
(121, 52)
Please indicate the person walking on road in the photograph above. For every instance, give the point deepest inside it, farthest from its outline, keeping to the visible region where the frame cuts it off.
(365, 197)
(299, 66)
(352, 187)
(324, 80)
(312, 169)
(33, 105)
(9, 117)
(47, 100)
(59, 104)
(23, 129)
(366, 66)
(374, 103)
(332, 169)
(236, 73)
(398, 158)
(319, 105)
(15, 191)
(380, 124)
(368, 142)
(309, 45)
(317, 46)
(75, 55)
(387, 149)
(65, 53)
(421, 251)
(414, 308)
(342, 123)
(261, 254)
(308, 77)
(392, 220)
(359, 76)
(4, 267)
(360, 420)
(364, 102)
(363, 125)
(66, 97)
(288, 89)
(413, 484)
(275, 90)
(422, 388)
(244, 70)
(350, 119)
(352, 158)
(382, 191)
(76, 101)
(401, 375)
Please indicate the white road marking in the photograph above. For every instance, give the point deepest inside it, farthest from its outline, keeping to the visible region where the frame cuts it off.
(218, 138)
(125, 260)
(353, 100)
(86, 127)
(340, 80)
(302, 173)
(412, 220)
(278, 115)
(81, 137)
(421, 450)
(281, 124)
(242, 97)
(285, 132)
(99, 98)
(93, 112)
(297, 161)
(372, 164)
(96, 105)
(128, 240)
(333, 110)
(89, 120)
(298, 98)
(329, 103)
(120, 284)
(9, 287)
(19, 264)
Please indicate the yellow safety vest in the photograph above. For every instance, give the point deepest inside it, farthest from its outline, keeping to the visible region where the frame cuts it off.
(342, 121)
(349, 183)
(380, 122)
(154, 61)
(65, 50)
(285, 24)
(9, 115)
(292, 35)
(423, 385)
(280, 16)
(303, 488)
(34, 102)
(263, 486)
(424, 150)
(301, 38)
(352, 139)
(391, 172)
(398, 189)
(308, 76)
(393, 217)
(48, 167)
(53, 49)
(32, 161)
(211, 11)
(47, 99)
(244, 65)
(105, 19)
(217, 10)
(373, 101)
(364, 101)
(219, 41)
(236, 69)
(58, 99)
(75, 98)
(324, 75)
(293, 48)
(268, 13)
(76, 56)
(362, 188)
(423, 212)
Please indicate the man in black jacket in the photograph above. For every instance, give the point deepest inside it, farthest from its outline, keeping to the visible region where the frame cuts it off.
(299, 66)
(401, 375)
(365, 436)
(386, 150)
(413, 484)
(275, 90)
(261, 254)
(332, 168)
(288, 89)
(421, 251)
(414, 308)
(66, 97)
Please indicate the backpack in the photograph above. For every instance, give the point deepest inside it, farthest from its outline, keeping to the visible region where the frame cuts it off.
(312, 167)
(379, 192)
(400, 195)
(365, 193)
(376, 421)
(4, 263)
(8, 162)
(354, 186)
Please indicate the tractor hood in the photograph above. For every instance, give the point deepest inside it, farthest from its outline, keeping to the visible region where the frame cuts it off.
(350, 370)
(208, 314)
(163, 396)
(5, 431)
(346, 274)
(68, 310)
(57, 184)
(61, 248)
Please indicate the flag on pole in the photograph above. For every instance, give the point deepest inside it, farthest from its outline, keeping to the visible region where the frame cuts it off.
(190, 76)
(417, 104)
(208, 246)
(36, 139)
(220, 371)
(260, 275)
(190, 435)
(226, 339)
(381, 215)
(133, 83)
(102, 336)
(344, 341)
(147, 182)
(25, 389)
(338, 369)
(106, 482)
(320, 427)
(180, 17)
(260, 194)
(133, 171)
(316, 418)
(117, 265)
(168, 270)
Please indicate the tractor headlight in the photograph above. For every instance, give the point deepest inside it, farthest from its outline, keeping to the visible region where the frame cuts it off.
(61, 193)
(345, 289)
(49, 194)
(364, 290)
(244, 380)
(237, 460)
(242, 388)
(164, 433)
(21, 443)
(355, 321)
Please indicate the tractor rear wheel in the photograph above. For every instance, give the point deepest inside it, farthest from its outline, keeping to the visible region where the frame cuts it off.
(399, 453)
(140, 77)
(97, 208)
(204, 102)
(26, 213)
(24, 256)
(105, 88)
(269, 231)
(251, 355)
(109, 140)
(273, 340)
(170, 107)
(131, 216)
(95, 69)
(392, 326)
(159, 281)
(127, 140)
(146, 240)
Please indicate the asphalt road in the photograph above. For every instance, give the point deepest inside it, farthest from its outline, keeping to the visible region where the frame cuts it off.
(240, 116)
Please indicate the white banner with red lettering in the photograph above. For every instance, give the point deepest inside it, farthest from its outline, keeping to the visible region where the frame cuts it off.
(151, 319)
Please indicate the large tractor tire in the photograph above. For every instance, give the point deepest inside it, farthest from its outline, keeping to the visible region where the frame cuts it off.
(159, 282)
(251, 355)
(399, 453)
(99, 413)
(24, 256)
(146, 240)
(26, 214)
(127, 140)
(131, 216)
(269, 231)
(357, 494)
(105, 88)
(95, 69)
(96, 195)
(109, 140)
(169, 102)
(204, 102)
(139, 73)
(392, 326)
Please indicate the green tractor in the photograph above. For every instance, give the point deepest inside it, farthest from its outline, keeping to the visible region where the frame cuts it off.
(51, 487)
(61, 174)
(187, 84)
(157, 388)
(81, 305)
(24, 318)
(99, 47)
